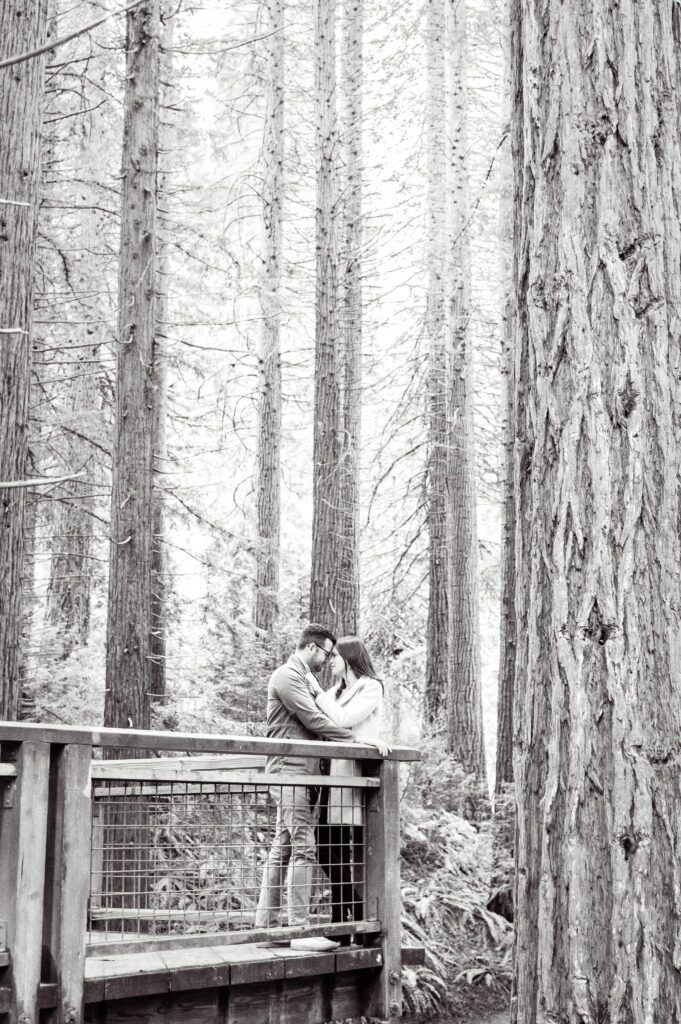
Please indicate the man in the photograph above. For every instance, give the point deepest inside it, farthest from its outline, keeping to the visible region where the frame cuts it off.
(293, 714)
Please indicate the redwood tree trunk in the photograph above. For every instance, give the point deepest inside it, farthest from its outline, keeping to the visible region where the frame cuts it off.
(464, 701)
(597, 714)
(68, 595)
(159, 569)
(437, 633)
(269, 406)
(128, 659)
(23, 26)
(348, 584)
(325, 571)
(507, 630)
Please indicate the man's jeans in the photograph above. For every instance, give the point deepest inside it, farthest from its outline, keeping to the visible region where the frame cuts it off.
(293, 848)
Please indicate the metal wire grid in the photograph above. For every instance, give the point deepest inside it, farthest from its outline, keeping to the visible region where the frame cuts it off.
(186, 858)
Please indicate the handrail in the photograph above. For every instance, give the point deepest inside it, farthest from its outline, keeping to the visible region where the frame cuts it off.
(144, 739)
(50, 784)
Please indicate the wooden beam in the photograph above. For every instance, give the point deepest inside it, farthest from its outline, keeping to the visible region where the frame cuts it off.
(114, 948)
(133, 975)
(413, 956)
(148, 739)
(358, 958)
(383, 888)
(69, 876)
(260, 779)
(202, 1006)
(23, 833)
(194, 762)
(171, 914)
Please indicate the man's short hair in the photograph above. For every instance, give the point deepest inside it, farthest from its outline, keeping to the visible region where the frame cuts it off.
(315, 634)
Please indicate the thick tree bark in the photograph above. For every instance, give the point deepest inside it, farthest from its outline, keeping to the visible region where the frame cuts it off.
(23, 26)
(501, 887)
(268, 456)
(507, 632)
(597, 714)
(348, 584)
(128, 661)
(437, 631)
(68, 595)
(68, 602)
(464, 700)
(159, 569)
(327, 441)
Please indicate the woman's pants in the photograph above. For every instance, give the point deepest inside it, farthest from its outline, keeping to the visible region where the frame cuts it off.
(340, 852)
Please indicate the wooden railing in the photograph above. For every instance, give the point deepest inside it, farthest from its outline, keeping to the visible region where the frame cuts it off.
(46, 853)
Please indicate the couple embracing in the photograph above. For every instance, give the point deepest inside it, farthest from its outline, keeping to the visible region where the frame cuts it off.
(308, 829)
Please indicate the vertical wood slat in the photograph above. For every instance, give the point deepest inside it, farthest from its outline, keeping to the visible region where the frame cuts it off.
(23, 834)
(383, 889)
(69, 877)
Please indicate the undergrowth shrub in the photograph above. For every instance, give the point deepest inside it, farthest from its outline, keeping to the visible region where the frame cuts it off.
(446, 863)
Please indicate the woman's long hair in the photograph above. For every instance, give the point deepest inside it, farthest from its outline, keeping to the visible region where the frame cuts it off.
(354, 653)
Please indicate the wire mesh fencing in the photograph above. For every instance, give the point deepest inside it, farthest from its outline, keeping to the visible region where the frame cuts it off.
(192, 857)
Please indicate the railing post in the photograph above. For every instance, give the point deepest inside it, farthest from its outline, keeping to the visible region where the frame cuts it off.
(23, 834)
(383, 888)
(68, 876)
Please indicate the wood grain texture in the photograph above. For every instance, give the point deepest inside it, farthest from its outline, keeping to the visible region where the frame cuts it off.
(262, 780)
(67, 879)
(383, 888)
(23, 832)
(242, 984)
(188, 1008)
(160, 943)
(23, 27)
(152, 740)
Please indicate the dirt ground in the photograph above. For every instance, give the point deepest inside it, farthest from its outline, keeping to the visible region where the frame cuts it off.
(474, 1004)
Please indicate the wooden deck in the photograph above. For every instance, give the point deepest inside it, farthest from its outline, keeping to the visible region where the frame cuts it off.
(261, 983)
(55, 967)
(229, 984)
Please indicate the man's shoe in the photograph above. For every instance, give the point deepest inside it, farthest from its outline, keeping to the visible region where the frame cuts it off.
(315, 944)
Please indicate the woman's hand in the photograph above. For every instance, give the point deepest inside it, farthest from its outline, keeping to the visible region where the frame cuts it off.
(381, 746)
(313, 684)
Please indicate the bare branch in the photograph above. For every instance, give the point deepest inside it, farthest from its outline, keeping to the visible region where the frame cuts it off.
(21, 57)
(40, 481)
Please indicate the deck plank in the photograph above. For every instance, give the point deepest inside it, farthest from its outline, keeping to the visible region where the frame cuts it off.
(127, 976)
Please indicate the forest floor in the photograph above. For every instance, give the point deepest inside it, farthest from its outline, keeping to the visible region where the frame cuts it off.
(473, 1005)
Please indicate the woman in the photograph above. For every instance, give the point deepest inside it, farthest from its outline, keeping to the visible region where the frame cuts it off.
(356, 702)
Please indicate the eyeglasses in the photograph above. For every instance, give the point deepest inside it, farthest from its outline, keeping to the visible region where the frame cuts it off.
(327, 654)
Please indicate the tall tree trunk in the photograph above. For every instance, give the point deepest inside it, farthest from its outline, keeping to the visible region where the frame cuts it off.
(268, 456)
(128, 659)
(507, 638)
(464, 700)
(437, 632)
(68, 594)
(597, 713)
(23, 27)
(348, 584)
(68, 601)
(167, 144)
(327, 439)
